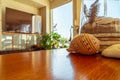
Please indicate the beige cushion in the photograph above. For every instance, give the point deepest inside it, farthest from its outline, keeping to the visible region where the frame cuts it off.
(112, 51)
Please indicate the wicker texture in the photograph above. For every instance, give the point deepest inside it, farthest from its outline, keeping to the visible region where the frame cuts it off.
(84, 44)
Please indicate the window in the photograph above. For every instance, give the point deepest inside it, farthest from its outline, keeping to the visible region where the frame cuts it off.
(108, 8)
(113, 9)
(62, 20)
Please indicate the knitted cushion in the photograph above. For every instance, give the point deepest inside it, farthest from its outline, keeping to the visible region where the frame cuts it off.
(112, 51)
(84, 44)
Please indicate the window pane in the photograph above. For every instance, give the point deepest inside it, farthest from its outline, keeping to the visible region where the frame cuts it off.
(88, 3)
(62, 16)
(113, 9)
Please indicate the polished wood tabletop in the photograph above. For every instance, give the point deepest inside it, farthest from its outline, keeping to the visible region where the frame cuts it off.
(57, 64)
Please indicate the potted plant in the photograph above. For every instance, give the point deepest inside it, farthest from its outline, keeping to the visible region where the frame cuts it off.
(52, 41)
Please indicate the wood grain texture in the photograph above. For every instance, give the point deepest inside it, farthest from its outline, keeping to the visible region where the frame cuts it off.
(57, 65)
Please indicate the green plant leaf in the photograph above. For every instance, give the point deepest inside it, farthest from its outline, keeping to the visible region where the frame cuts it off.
(52, 41)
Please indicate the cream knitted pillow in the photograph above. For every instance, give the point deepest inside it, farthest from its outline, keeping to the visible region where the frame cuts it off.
(112, 51)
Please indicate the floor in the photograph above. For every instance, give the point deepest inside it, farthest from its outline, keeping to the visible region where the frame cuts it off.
(57, 65)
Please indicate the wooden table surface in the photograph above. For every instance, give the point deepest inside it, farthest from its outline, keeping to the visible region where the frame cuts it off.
(57, 65)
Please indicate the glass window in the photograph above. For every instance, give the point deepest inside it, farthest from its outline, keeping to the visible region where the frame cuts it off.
(113, 9)
(88, 3)
(62, 19)
(108, 8)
